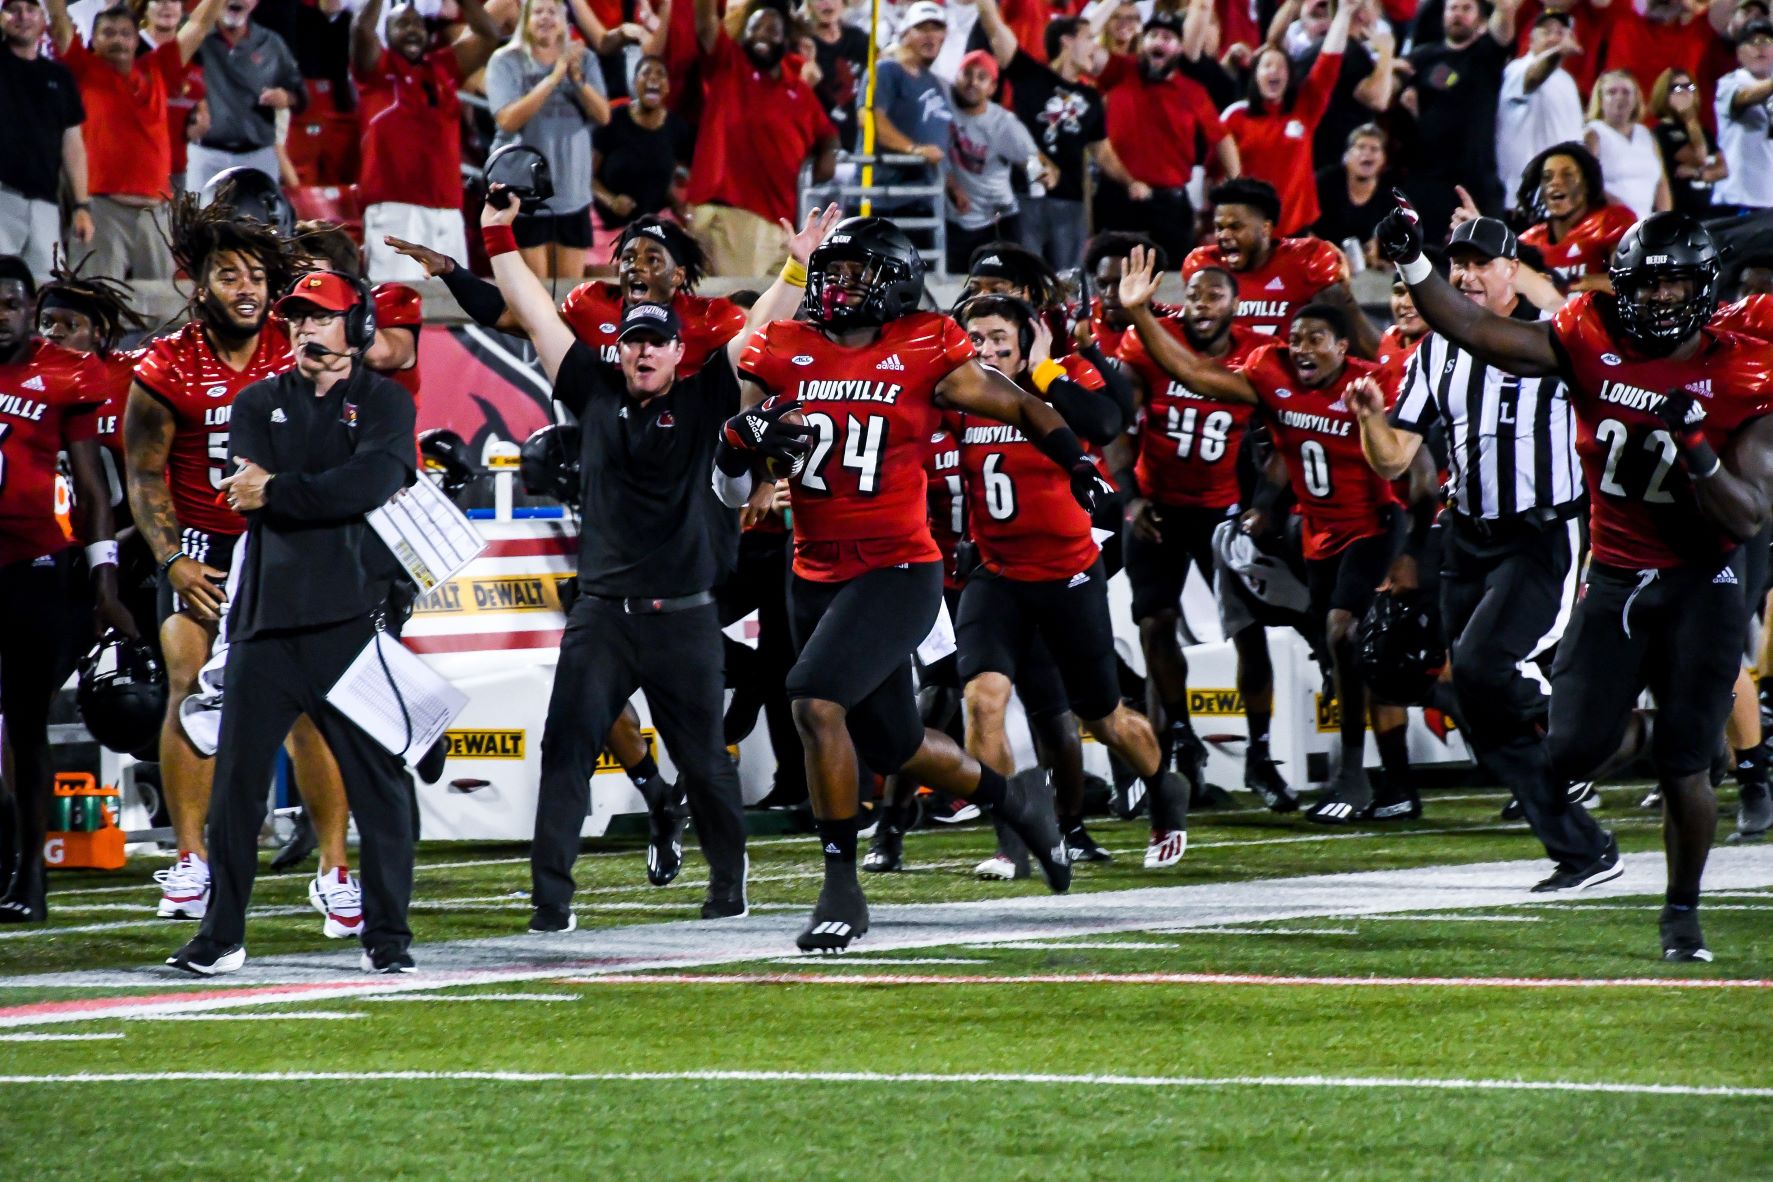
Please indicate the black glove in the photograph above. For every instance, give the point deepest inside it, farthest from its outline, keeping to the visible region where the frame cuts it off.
(1089, 486)
(1399, 233)
(1673, 410)
(1689, 434)
(764, 432)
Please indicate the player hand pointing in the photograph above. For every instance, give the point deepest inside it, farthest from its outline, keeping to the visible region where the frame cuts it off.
(1399, 233)
(1139, 279)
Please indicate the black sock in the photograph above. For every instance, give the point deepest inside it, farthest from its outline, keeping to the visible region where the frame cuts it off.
(1751, 767)
(642, 773)
(1258, 745)
(1070, 821)
(990, 791)
(838, 839)
(1394, 754)
(1682, 900)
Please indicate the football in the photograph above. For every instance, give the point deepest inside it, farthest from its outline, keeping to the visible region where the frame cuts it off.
(788, 469)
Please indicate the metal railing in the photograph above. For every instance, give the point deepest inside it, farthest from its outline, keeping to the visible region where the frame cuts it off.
(917, 207)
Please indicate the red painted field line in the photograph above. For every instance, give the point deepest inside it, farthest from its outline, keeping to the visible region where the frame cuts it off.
(43, 1009)
(1164, 979)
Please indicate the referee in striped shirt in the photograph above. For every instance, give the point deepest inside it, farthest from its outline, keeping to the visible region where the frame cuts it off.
(1511, 546)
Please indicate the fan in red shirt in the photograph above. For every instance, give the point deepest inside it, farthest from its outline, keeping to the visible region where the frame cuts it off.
(128, 149)
(1576, 228)
(1676, 444)
(175, 436)
(1039, 598)
(760, 122)
(870, 378)
(1274, 128)
(48, 400)
(1275, 276)
(407, 96)
(1353, 530)
(1646, 38)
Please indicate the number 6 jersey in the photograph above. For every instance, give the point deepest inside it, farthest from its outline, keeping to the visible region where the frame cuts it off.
(859, 500)
(198, 388)
(1642, 511)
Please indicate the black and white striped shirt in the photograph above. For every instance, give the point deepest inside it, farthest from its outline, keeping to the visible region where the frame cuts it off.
(1511, 441)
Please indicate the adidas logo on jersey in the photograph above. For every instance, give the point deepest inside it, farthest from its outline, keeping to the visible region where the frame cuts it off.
(892, 363)
(1079, 579)
(35, 382)
(1725, 578)
(1276, 284)
(277, 416)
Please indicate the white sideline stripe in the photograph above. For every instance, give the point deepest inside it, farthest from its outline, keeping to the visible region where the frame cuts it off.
(1412, 918)
(1062, 944)
(1610, 1087)
(477, 997)
(46, 1036)
(292, 1016)
(1705, 905)
(1262, 931)
(837, 962)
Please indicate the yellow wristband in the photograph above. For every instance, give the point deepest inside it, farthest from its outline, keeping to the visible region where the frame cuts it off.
(1046, 373)
(793, 274)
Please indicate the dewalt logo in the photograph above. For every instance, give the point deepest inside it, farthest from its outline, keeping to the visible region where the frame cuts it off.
(501, 593)
(607, 762)
(485, 744)
(1216, 703)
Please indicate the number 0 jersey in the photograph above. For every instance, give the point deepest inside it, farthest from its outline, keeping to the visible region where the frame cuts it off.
(1642, 510)
(199, 388)
(860, 500)
(47, 401)
(1187, 444)
(1340, 497)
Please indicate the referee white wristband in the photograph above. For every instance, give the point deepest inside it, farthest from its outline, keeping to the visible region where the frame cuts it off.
(101, 554)
(1416, 270)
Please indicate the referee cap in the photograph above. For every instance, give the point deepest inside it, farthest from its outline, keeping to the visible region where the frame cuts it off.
(1489, 237)
(654, 320)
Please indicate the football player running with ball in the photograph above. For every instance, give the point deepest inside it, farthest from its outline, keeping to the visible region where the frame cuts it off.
(871, 377)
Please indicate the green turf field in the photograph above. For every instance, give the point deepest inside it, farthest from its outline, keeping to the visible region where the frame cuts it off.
(1167, 1034)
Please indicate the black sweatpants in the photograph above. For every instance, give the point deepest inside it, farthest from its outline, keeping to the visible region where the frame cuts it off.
(758, 677)
(46, 613)
(1503, 599)
(276, 678)
(606, 655)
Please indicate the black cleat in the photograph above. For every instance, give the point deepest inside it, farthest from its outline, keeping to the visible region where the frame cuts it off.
(388, 960)
(667, 811)
(1189, 758)
(1349, 799)
(886, 853)
(1603, 869)
(1396, 805)
(206, 958)
(550, 918)
(1262, 776)
(1126, 795)
(1512, 811)
(1081, 847)
(1754, 814)
(26, 899)
(300, 846)
(840, 917)
(1029, 815)
(725, 906)
(1681, 937)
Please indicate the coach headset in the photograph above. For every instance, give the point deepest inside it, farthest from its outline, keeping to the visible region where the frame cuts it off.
(360, 319)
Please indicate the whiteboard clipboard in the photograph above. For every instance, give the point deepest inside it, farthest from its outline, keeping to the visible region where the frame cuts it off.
(427, 534)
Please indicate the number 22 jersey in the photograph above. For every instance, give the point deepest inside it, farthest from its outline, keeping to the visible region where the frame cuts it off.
(860, 499)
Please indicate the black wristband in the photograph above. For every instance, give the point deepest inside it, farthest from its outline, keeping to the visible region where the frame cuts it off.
(1701, 461)
(166, 563)
(1061, 447)
(731, 460)
(480, 299)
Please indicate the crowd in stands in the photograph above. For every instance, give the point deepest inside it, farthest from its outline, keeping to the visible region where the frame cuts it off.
(1044, 121)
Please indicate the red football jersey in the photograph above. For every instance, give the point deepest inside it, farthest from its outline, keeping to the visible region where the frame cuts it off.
(594, 312)
(1752, 316)
(47, 401)
(1588, 247)
(199, 388)
(1020, 509)
(947, 500)
(859, 501)
(1340, 496)
(1642, 512)
(1395, 353)
(119, 374)
(1187, 444)
(1109, 340)
(1267, 296)
(399, 306)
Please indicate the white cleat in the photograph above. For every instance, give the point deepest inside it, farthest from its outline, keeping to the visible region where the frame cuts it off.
(999, 868)
(336, 895)
(1166, 848)
(184, 888)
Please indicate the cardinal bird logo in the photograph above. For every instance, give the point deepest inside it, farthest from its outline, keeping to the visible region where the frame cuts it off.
(1437, 722)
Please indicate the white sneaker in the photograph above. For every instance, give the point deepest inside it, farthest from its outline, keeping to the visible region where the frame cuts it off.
(997, 867)
(184, 888)
(1166, 848)
(337, 896)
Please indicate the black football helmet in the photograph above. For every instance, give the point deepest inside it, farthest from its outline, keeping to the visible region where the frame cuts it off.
(549, 463)
(121, 693)
(251, 194)
(1663, 245)
(1400, 648)
(891, 281)
(445, 453)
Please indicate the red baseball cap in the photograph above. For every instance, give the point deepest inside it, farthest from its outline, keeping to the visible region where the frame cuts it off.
(981, 57)
(326, 290)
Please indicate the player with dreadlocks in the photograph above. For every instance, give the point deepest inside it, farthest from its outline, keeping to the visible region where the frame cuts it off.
(175, 441)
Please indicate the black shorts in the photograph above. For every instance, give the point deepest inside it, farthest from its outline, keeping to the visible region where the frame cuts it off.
(48, 613)
(1677, 633)
(1349, 579)
(1002, 620)
(215, 550)
(561, 229)
(1159, 570)
(855, 641)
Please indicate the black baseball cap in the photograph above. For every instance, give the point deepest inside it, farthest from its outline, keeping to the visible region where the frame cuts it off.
(1163, 18)
(1759, 27)
(1565, 19)
(654, 320)
(1486, 236)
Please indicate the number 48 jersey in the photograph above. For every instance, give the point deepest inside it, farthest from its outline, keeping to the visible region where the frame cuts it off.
(1642, 511)
(860, 500)
(1188, 444)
